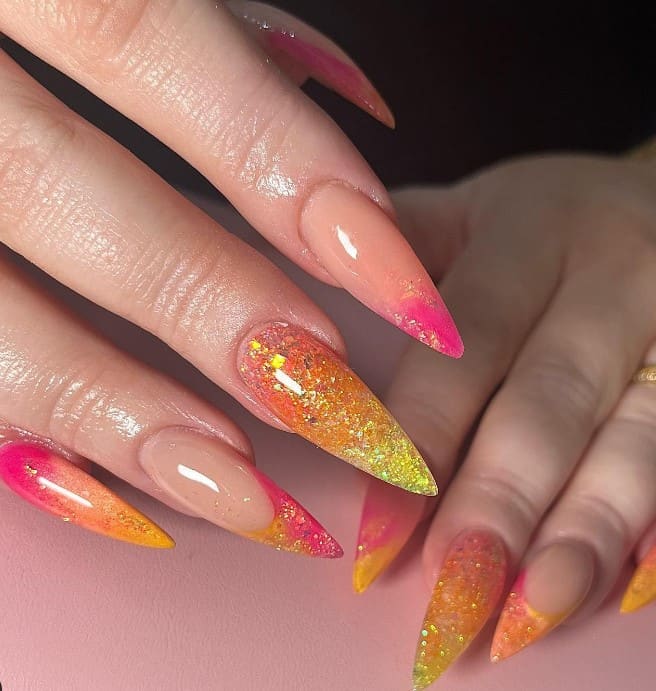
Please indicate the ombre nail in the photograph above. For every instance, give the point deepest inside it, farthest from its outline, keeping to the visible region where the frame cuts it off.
(317, 395)
(642, 588)
(317, 55)
(467, 590)
(362, 249)
(546, 592)
(215, 482)
(59, 487)
(389, 517)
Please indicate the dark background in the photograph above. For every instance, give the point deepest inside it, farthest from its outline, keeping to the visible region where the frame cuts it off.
(470, 83)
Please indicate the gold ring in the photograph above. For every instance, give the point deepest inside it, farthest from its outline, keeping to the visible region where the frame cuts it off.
(645, 375)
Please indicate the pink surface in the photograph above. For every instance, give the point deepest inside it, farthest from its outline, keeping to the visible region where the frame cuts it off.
(81, 613)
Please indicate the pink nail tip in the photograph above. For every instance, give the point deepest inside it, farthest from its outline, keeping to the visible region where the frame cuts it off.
(333, 72)
(429, 321)
(293, 528)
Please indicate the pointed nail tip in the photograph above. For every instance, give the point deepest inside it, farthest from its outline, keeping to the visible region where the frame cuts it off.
(631, 607)
(362, 580)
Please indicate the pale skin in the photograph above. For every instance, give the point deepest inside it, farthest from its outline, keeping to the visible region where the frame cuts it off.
(533, 257)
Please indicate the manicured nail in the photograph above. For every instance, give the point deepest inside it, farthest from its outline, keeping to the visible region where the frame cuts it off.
(546, 592)
(211, 479)
(360, 247)
(642, 588)
(467, 591)
(319, 57)
(59, 487)
(318, 396)
(389, 518)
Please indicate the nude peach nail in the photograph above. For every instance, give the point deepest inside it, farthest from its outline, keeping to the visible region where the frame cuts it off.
(642, 589)
(214, 481)
(59, 487)
(547, 591)
(286, 37)
(467, 590)
(362, 249)
(389, 517)
(312, 390)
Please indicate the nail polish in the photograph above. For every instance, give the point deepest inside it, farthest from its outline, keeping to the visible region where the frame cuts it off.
(317, 395)
(317, 55)
(59, 487)
(467, 590)
(214, 481)
(642, 588)
(389, 518)
(551, 587)
(362, 249)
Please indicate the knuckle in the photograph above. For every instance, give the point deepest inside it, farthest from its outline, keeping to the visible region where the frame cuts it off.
(34, 140)
(177, 292)
(573, 392)
(254, 137)
(96, 29)
(601, 513)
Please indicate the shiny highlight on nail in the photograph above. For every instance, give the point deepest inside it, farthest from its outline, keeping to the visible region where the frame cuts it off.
(293, 528)
(642, 588)
(467, 591)
(313, 391)
(520, 624)
(59, 487)
(389, 518)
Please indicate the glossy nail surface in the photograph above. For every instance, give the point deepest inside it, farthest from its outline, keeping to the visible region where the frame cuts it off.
(642, 588)
(320, 57)
(318, 396)
(546, 592)
(211, 479)
(389, 518)
(466, 592)
(57, 486)
(360, 247)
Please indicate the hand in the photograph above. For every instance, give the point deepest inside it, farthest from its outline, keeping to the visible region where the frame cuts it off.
(89, 214)
(549, 265)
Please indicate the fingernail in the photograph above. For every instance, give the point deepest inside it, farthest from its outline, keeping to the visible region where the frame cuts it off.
(211, 479)
(546, 592)
(320, 57)
(318, 396)
(389, 518)
(642, 588)
(466, 592)
(57, 486)
(360, 247)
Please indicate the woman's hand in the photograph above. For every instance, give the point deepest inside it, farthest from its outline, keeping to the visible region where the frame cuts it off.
(84, 210)
(550, 267)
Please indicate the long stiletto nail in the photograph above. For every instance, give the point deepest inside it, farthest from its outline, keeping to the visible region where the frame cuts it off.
(360, 247)
(318, 396)
(57, 486)
(545, 593)
(467, 591)
(389, 518)
(320, 57)
(215, 482)
(642, 588)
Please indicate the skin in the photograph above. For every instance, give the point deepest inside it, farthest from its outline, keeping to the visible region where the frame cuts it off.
(549, 265)
(84, 210)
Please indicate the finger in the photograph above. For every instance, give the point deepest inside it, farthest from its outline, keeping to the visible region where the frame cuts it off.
(607, 506)
(65, 383)
(438, 401)
(92, 216)
(563, 384)
(301, 51)
(189, 73)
